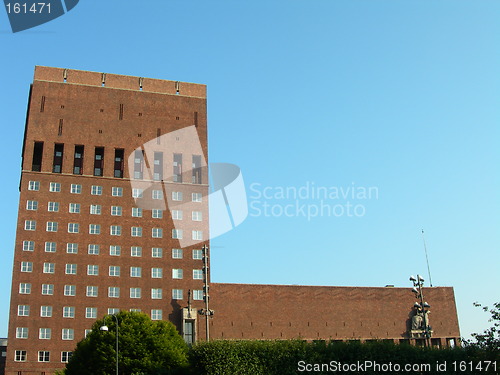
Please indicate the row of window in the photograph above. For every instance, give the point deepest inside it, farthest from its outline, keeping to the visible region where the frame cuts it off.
(43, 356)
(93, 270)
(115, 250)
(114, 230)
(55, 187)
(96, 209)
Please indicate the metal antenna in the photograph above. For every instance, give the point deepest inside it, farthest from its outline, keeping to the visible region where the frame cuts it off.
(427, 259)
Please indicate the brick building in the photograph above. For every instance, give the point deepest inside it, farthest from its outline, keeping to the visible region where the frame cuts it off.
(113, 215)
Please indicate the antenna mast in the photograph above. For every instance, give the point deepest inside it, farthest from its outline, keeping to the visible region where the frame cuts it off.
(427, 259)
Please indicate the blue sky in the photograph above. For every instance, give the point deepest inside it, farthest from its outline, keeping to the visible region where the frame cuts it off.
(400, 96)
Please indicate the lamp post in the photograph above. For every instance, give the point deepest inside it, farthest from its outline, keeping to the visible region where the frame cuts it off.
(105, 328)
(418, 285)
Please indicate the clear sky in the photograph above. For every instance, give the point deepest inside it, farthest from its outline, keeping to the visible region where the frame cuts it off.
(399, 96)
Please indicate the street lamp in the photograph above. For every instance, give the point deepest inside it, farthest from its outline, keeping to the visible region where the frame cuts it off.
(105, 328)
(422, 307)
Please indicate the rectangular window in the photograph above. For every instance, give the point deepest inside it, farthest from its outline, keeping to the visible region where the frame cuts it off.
(32, 205)
(91, 312)
(70, 290)
(118, 168)
(45, 333)
(114, 292)
(196, 215)
(24, 288)
(30, 225)
(197, 254)
(177, 172)
(156, 273)
(21, 332)
(156, 214)
(93, 249)
(78, 160)
(76, 189)
(46, 311)
(196, 171)
(137, 193)
(23, 310)
(95, 209)
(177, 293)
(71, 269)
(197, 235)
(92, 270)
(43, 356)
(157, 233)
(115, 230)
(115, 250)
(136, 231)
(198, 295)
(96, 190)
(138, 164)
(47, 289)
(196, 197)
(53, 207)
(68, 312)
(177, 253)
(66, 356)
(136, 212)
(68, 334)
(135, 271)
(98, 161)
(136, 251)
(135, 292)
(55, 187)
(157, 194)
(28, 245)
(157, 252)
(72, 248)
(177, 195)
(156, 293)
(34, 185)
(92, 291)
(116, 191)
(116, 211)
(58, 158)
(114, 270)
(36, 164)
(177, 273)
(176, 214)
(73, 228)
(94, 229)
(20, 356)
(26, 266)
(113, 310)
(177, 234)
(156, 314)
(197, 274)
(49, 267)
(158, 166)
(74, 208)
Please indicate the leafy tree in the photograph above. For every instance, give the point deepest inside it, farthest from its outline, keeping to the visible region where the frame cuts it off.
(489, 340)
(144, 347)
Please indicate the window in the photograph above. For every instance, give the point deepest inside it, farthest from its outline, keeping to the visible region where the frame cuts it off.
(68, 334)
(196, 215)
(156, 293)
(157, 252)
(53, 207)
(176, 293)
(116, 191)
(72, 248)
(92, 291)
(196, 197)
(28, 245)
(156, 314)
(113, 311)
(21, 332)
(70, 269)
(36, 164)
(198, 295)
(58, 158)
(34, 185)
(177, 195)
(157, 233)
(198, 274)
(92, 270)
(176, 214)
(46, 311)
(177, 168)
(115, 250)
(70, 290)
(116, 211)
(157, 194)
(177, 234)
(30, 225)
(138, 164)
(135, 271)
(26, 266)
(45, 333)
(114, 270)
(74, 208)
(197, 235)
(98, 161)
(68, 312)
(135, 292)
(137, 193)
(177, 253)
(95, 209)
(96, 190)
(20, 356)
(93, 249)
(177, 273)
(196, 171)
(197, 254)
(24, 288)
(49, 267)
(66, 356)
(136, 231)
(73, 227)
(23, 310)
(78, 160)
(32, 205)
(87, 331)
(156, 273)
(55, 187)
(158, 166)
(52, 226)
(91, 312)
(115, 230)
(76, 189)
(118, 168)
(94, 229)
(47, 289)
(156, 214)
(114, 292)
(136, 251)
(136, 212)
(50, 247)
(135, 310)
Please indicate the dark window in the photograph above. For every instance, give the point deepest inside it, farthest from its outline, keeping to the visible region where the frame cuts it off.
(196, 169)
(78, 161)
(138, 164)
(189, 331)
(158, 167)
(36, 165)
(177, 167)
(119, 163)
(58, 158)
(98, 161)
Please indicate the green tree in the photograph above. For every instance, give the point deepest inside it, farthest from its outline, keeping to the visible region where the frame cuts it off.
(144, 347)
(489, 340)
